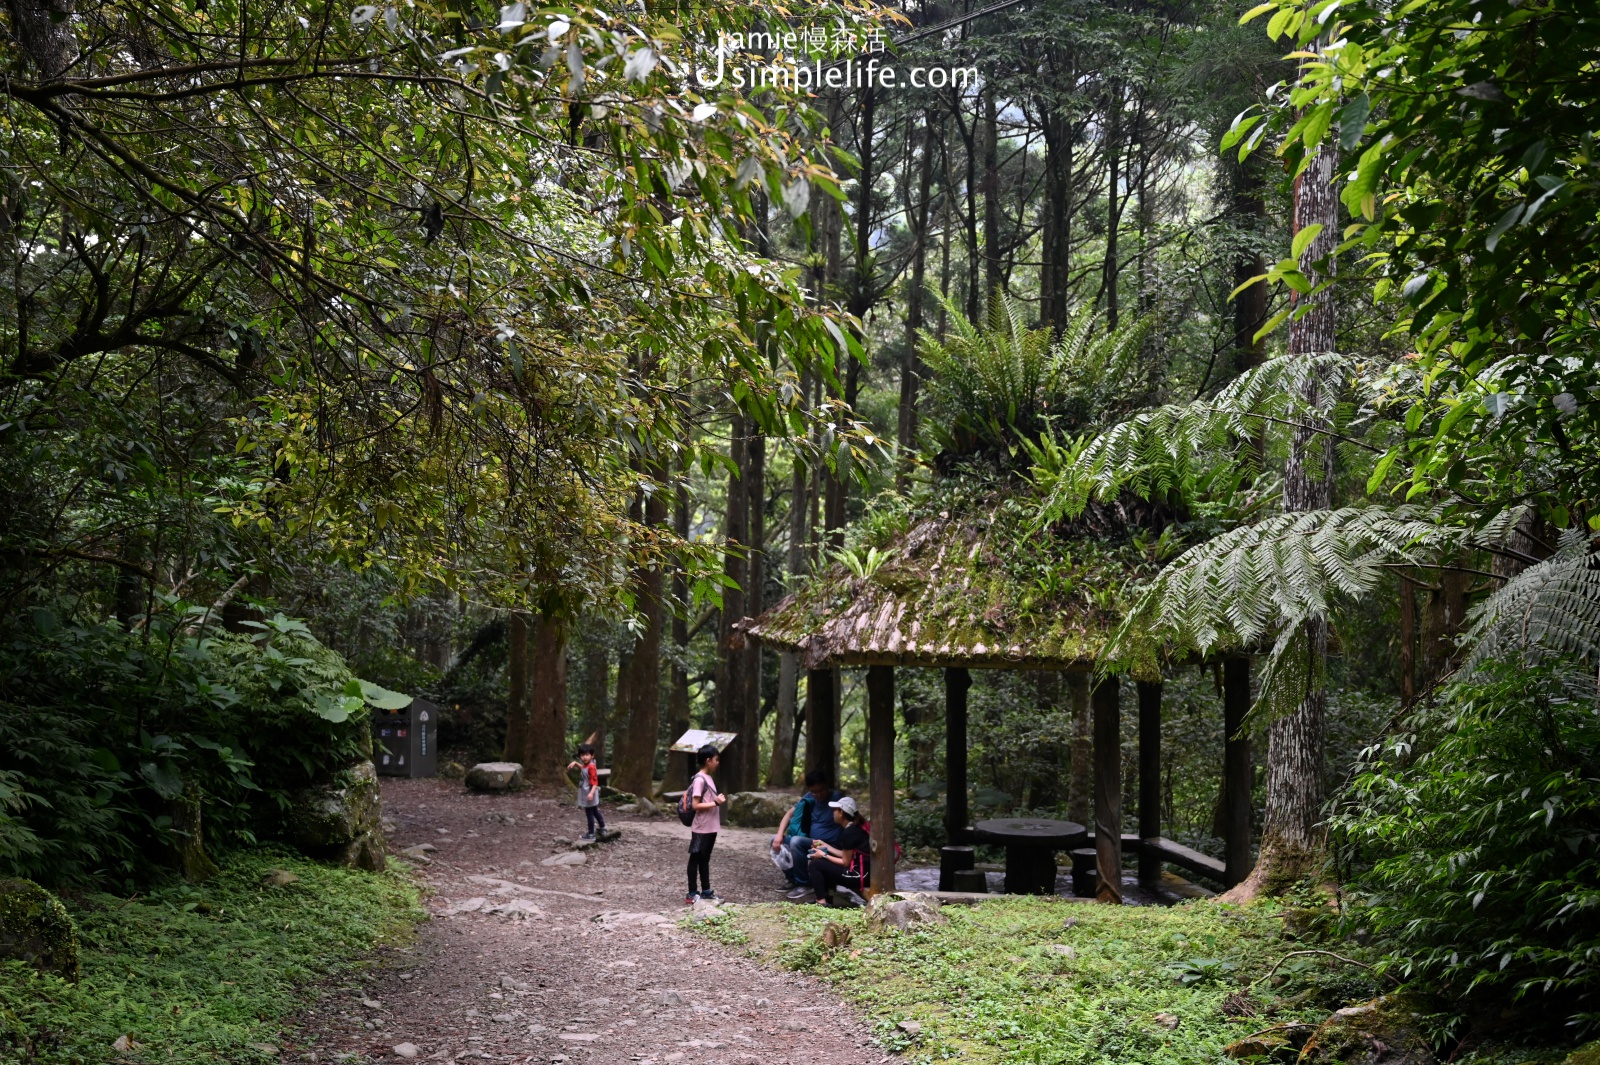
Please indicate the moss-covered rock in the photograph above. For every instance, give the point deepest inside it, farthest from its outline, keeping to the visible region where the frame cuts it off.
(1588, 1054)
(756, 809)
(1388, 1029)
(1279, 1044)
(35, 928)
(341, 820)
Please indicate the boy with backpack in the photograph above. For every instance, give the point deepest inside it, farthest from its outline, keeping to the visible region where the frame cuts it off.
(701, 809)
(589, 789)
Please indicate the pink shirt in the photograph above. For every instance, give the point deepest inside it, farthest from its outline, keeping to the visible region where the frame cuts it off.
(703, 789)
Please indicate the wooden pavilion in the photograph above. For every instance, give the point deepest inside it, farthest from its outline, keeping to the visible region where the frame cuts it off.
(973, 586)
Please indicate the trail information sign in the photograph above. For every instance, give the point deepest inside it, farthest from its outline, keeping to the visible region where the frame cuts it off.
(697, 738)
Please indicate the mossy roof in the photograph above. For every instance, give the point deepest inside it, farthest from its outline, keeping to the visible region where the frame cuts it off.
(965, 578)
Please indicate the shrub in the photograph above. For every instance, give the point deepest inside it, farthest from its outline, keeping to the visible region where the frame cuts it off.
(103, 732)
(1476, 839)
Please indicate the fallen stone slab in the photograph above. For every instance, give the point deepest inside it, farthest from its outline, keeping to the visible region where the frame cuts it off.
(498, 886)
(494, 776)
(516, 909)
(406, 1050)
(566, 858)
(628, 919)
(471, 905)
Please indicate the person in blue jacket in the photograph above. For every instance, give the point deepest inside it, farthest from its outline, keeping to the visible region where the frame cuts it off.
(810, 819)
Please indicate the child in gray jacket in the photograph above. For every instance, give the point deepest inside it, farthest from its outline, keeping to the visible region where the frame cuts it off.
(589, 789)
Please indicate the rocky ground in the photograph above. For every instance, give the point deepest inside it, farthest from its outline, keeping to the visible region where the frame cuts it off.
(531, 959)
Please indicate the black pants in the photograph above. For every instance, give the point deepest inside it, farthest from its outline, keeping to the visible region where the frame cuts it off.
(700, 844)
(595, 820)
(826, 875)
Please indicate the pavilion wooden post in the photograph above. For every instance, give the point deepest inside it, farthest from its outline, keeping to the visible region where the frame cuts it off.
(880, 772)
(1149, 778)
(1236, 771)
(956, 682)
(822, 723)
(1107, 702)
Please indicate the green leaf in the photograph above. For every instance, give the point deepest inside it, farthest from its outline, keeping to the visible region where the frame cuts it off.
(1353, 121)
(383, 698)
(1303, 239)
(1382, 470)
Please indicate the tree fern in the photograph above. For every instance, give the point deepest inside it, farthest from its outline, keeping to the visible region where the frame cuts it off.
(1546, 611)
(1256, 584)
(1160, 450)
(1247, 585)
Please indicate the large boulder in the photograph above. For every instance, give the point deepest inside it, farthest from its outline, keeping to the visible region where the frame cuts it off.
(494, 776)
(341, 821)
(756, 809)
(36, 929)
(1387, 1029)
(904, 912)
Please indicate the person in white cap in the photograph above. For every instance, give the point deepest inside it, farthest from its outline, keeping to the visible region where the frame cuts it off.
(831, 863)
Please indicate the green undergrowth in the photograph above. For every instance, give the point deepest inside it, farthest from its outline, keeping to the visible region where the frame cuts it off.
(998, 984)
(202, 973)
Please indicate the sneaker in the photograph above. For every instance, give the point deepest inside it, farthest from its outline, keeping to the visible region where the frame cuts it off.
(711, 896)
(798, 892)
(690, 900)
(587, 837)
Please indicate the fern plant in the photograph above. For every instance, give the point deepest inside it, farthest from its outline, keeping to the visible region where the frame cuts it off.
(995, 388)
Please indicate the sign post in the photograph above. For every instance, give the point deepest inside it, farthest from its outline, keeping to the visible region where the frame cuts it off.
(697, 738)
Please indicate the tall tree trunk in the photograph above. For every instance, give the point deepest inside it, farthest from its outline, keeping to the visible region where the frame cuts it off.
(780, 770)
(756, 571)
(947, 201)
(1057, 238)
(546, 752)
(516, 686)
(910, 364)
(1111, 278)
(731, 691)
(676, 777)
(1444, 618)
(1293, 843)
(969, 217)
(634, 769)
(993, 276)
(1408, 640)
(597, 694)
(1249, 209)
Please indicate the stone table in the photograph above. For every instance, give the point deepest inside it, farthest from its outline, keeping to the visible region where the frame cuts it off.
(1031, 844)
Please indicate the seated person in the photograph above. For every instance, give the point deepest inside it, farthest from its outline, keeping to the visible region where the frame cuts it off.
(829, 863)
(809, 819)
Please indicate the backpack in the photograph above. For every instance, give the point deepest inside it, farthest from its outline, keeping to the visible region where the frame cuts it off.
(686, 803)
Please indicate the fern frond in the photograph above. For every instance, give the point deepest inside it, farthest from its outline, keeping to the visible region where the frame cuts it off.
(1548, 610)
(1159, 450)
(1257, 581)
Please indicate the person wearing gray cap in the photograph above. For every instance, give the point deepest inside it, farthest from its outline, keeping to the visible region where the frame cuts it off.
(832, 864)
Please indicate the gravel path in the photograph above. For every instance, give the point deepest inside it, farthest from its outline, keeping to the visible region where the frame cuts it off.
(528, 962)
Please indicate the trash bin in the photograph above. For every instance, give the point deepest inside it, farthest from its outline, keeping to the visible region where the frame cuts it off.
(405, 742)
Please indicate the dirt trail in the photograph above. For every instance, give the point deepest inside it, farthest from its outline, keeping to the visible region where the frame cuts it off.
(515, 966)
